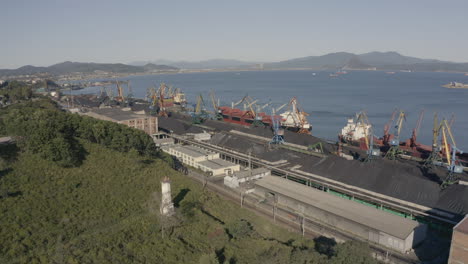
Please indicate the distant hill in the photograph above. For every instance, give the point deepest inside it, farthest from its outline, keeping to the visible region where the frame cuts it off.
(373, 60)
(206, 64)
(69, 67)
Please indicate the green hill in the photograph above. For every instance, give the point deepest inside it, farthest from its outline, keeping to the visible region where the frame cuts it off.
(104, 208)
(106, 211)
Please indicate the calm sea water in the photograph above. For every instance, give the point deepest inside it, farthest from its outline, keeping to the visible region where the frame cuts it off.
(330, 101)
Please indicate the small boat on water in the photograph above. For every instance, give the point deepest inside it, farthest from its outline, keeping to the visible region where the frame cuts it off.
(390, 72)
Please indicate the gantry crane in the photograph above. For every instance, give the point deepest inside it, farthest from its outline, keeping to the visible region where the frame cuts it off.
(387, 136)
(395, 150)
(129, 94)
(453, 167)
(199, 114)
(434, 157)
(371, 151)
(120, 92)
(414, 135)
(258, 119)
(278, 137)
(298, 116)
(160, 100)
(216, 111)
(241, 100)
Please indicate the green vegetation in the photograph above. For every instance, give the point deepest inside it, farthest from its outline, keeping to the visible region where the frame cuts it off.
(107, 211)
(78, 190)
(14, 91)
(43, 129)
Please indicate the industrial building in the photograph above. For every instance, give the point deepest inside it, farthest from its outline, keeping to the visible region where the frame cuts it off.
(149, 124)
(459, 246)
(370, 224)
(240, 177)
(202, 159)
(216, 167)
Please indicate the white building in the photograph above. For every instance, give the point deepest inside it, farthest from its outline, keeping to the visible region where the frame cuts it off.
(202, 159)
(218, 167)
(234, 180)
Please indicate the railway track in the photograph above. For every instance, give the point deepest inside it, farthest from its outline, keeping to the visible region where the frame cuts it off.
(293, 222)
(389, 202)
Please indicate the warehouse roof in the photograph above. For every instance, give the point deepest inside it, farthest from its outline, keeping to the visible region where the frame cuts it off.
(216, 164)
(379, 220)
(192, 152)
(116, 114)
(247, 173)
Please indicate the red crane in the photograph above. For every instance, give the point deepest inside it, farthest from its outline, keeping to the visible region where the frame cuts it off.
(387, 136)
(416, 130)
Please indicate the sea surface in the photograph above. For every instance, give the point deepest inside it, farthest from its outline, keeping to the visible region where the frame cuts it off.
(331, 100)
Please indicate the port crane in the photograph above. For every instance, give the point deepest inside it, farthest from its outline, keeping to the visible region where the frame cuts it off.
(199, 115)
(216, 111)
(434, 157)
(386, 137)
(296, 117)
(258, 119)
(278, 137)
(395, 150)
(414, 135)
(453, 167)
(160, 100)
(237, 103)
(371, 151)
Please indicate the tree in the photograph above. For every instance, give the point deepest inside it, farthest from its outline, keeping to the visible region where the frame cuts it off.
(239, 229)
(352, 252)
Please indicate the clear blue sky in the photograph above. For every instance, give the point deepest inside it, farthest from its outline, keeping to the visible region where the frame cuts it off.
(44, 32)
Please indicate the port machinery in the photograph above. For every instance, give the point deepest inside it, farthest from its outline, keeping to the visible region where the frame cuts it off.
(278, 133)
(296, 118)
(450, 149)
(394, 151)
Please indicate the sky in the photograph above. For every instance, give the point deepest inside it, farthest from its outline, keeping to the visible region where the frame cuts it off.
(46, 32)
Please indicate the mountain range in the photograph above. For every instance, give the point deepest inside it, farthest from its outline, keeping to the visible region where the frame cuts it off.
(332, 61)
(69, 67)
(373, 60)
(205, 64)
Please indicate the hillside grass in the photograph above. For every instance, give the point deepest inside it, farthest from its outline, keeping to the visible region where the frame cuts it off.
(107, 211)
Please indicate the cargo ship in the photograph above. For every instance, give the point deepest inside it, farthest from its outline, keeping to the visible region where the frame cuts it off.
(358, 130)
(294, 119)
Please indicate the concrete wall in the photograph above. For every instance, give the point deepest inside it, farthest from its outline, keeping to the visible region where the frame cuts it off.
(340, 222)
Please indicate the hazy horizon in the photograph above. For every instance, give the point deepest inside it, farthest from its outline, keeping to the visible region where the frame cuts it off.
(44, 33)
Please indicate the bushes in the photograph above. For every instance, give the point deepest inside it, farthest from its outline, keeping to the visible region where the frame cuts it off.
(52, 133)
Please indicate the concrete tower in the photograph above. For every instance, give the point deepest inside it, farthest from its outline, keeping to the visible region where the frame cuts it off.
(167, 207)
